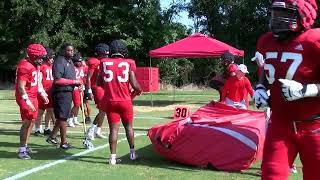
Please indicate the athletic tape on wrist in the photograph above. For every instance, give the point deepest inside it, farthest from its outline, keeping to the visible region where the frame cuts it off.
(28, 102)
(25, 97)
(311, 90)
(43, 93)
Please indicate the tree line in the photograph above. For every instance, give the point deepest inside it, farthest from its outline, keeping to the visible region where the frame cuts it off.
(142, 24)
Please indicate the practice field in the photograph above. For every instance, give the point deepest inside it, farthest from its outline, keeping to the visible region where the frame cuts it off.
(79, 163)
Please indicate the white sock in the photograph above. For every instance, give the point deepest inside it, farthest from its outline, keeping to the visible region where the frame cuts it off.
(93, 126)
(113, 156)
(38, 129)
(47, 128)
(98, 130)
(75, 119)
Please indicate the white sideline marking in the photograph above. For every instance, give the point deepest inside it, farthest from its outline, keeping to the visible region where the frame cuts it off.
(48, 165)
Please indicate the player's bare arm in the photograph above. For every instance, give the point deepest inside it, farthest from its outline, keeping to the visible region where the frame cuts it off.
(99, 80)
(88, 85)
(24, 95)
(41, 90)
(135, 85)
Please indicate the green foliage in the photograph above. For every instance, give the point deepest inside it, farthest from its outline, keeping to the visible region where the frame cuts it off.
(204, 69)
(141, 24)
(175, 71)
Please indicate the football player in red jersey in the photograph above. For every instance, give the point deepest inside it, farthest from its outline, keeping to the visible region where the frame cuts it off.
(116, 76)
(291, 73)
(46, 79)
(236, 89)
(79, 69)
(27, 88)
(229, 69)
(102, 51)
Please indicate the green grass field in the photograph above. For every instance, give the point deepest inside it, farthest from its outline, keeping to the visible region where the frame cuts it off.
(93, 165)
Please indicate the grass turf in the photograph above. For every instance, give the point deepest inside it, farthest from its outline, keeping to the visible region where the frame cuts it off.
(94, 165)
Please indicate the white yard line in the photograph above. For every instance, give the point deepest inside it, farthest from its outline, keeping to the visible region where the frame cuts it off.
(48, 165)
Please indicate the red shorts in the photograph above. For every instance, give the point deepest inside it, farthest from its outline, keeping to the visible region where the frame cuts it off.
(42, 104)
(283, 144)
(98, 93)
(76, 98)
(25, 113)
(116, 110)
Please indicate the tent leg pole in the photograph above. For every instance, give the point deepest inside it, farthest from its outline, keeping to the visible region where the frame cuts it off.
(174, 85)
(150, 80)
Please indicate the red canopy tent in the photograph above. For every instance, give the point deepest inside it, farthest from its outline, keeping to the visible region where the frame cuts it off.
(195, 46)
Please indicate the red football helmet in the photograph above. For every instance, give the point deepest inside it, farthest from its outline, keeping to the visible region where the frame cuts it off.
(36, 53)
(292, 15)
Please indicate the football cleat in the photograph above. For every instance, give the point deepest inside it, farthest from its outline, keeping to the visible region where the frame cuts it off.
(88, 120)
(133, 155)
(53, 141)
(37, 133)
(47, 132)
(87, 144)
(90, 133)
(24, 155)
(66, 146)
(76, 122)
(70, 122)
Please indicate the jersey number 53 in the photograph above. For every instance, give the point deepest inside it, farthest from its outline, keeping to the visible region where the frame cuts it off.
(109, 75)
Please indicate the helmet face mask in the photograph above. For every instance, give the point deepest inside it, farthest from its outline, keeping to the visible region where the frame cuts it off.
(50, 56)
(78, 63)
(285, 19)
(77, 60)
(39, 60)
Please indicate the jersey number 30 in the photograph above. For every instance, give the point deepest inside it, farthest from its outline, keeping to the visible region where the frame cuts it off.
(108, 77)
(270, 70)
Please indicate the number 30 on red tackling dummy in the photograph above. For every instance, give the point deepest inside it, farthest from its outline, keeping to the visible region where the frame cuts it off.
(181, 112)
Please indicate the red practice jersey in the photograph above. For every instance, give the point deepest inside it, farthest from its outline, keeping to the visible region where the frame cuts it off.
(85, 71)
(47, 78)
(237, 89)
(93, 66)
(80, 72)
(297, 60)
(29, 73)
(115, 75)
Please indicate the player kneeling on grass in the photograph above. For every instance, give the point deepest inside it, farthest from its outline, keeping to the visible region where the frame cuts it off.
(116, 75)
(79, 69)
(27, 87)
(46, 79)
